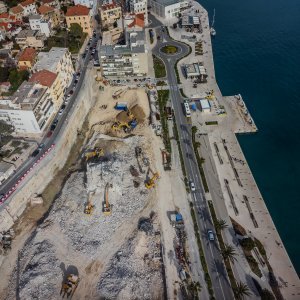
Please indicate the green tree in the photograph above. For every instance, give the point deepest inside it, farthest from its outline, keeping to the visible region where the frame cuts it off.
(229, 253)
(17, 77)
(221, 224)
(241, 290)
(194, 288)
(76, 30)
(194, 129)
(247, 244)
(3, 74)
(266, 295)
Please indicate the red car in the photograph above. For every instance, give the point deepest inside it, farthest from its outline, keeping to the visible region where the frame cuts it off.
(49, 133)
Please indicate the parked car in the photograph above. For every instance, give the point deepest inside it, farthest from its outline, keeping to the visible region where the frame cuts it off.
(210, 235)
(60, 111)
(41, 146)
(49, 133)
(35, 153)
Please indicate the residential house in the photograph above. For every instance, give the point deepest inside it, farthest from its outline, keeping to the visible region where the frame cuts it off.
(57, 60)
(29, 109)
(52, 3)
(134, 20)
(139, 7)
(5, 86)
(80, 15)
(6, 58)
(30, 38)
(87, 3)
(125, 60)
(109, 13)
(28, 7)
(38, 22)
(27, 59)
(53, 82)
(50, 13)
(17, 11)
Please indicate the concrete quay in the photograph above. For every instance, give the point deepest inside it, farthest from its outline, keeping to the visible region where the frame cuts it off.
(227, 169)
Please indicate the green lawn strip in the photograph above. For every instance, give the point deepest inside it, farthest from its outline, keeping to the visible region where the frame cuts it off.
(169, 49)
(163, 97)
(159, 67)
(222, 245)
(211, 123)
(200, 162)
(201, 253)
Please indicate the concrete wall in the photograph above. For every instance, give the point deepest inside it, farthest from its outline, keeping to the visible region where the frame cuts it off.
(46, 170)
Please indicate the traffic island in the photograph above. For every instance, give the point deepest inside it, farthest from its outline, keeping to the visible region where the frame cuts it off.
(169, 49)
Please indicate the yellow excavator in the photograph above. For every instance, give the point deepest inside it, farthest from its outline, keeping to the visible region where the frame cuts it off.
(97, 152)
(210, 95)
(130, 114)
(150, 183)
(69, 285)
(106, 204)
(89, 208)
(121, 125)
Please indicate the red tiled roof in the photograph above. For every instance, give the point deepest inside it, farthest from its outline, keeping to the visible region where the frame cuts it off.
(28, 54)
(16, 9)
(27, 2)
(43, 77)
(47, 1)
(4, 15)
(77, 10)
(44, 9)
(138, 21)
(109, 6)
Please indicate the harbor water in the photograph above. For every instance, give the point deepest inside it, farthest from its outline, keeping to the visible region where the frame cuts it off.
(257, 53)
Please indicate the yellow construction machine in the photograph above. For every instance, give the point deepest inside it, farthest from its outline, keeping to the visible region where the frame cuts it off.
(89, 208)
(121, 125)
(69, 286)
(130, 114)
(97, 152)
(210, 95)
(106, 205)
(150, 183)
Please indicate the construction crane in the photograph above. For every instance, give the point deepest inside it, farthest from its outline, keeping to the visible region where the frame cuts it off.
(69, 286)
(97, 152)
(150, 183)
(106, 205)
(89, 208)
(210, 95)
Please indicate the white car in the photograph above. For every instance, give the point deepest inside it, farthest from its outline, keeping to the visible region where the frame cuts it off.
(61, 111)
(192, 186)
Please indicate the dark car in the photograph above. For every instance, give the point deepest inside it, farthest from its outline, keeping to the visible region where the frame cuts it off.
(35, 153)
(63, 106)
(49, 133)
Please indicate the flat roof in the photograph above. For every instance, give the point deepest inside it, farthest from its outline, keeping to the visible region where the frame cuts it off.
(4, 167)
(204, 104)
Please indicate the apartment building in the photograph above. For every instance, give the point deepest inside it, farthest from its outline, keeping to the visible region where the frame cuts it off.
(29, 7)
(37, 22)
(50, 13)
(30, 38)
(80, 15)
(58, 61)
(125, 60)
(109, 13)
(54, 84)
(17, 11)
(139, 7)
(168, 8)
(29, 110)
(27, 59)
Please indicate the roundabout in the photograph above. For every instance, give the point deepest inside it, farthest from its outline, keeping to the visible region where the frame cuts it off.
(170, 49)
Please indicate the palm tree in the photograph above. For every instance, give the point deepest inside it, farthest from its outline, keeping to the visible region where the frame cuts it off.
(229, 253)
(241, 290)
(194, 288)
(221, 224)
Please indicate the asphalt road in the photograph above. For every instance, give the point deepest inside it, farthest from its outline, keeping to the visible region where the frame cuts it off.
(217, 271)
(11, 182)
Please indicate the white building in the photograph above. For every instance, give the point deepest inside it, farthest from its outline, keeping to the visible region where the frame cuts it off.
(37, 22)
(29, 110)
(87, 3)
(6, 170)
(168, 8)
(138, 7)
(29, 7)
(57, 60)
(205, 105)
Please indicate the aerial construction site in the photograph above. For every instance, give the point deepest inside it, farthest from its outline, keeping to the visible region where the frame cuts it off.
(101, 233)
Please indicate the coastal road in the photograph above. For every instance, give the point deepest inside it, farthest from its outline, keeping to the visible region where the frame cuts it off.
(11, 184)
(217, 271)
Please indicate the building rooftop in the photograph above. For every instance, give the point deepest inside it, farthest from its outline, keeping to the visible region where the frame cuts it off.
(168, 2)
(43, 77)
(28, 94)
(49, 60)
(34, 17)
(28, 54)
(4, 167)
(27, 2)
(109, 6)
(16, 9)
(26, 33)
(44, 9)
(139, 20)
(77, 10)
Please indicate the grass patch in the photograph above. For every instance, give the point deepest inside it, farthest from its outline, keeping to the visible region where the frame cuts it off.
(200, 161)
(211, 123)
(161, 83)
(163, 97)
(201, 253)
(169, 49)
(159, 67)
(222, 245)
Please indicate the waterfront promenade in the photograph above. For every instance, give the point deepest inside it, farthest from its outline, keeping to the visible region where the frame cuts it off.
(245, 204)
